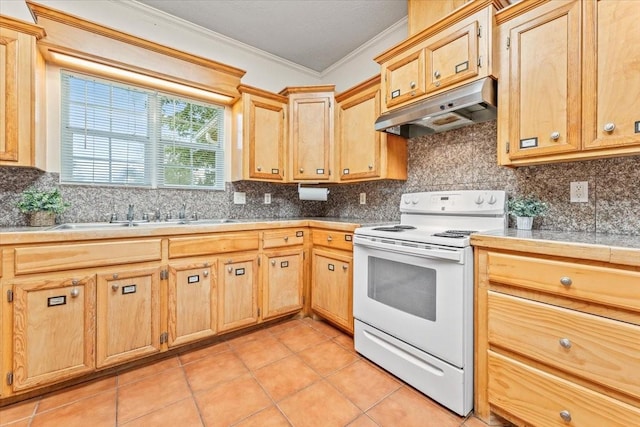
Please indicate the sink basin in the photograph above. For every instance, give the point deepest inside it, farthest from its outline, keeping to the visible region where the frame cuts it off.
(88, 226)
(117, 225)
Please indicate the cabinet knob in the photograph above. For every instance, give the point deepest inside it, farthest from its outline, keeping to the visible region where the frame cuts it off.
(286, 238)
(565, 343)
(436, 74)
(370, 167)
(565, 415)
(114, 286)
(206, 264)
(229, 269)
(115, 275)
(273, 262)
(75, 292)
(75, 282)
(555, 136)
(609, 127)
(259, 168)
(205, 273)
(566, 281)
(345, 267)
(329, 238)
(412, 85)
(437, 84)
(301, 170)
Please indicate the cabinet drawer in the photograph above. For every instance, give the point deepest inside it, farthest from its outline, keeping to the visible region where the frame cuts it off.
(603, 285)
(282, 238)
(596, 348)
(541, 399)
(206, 245)
(83, 255)
(333, 239)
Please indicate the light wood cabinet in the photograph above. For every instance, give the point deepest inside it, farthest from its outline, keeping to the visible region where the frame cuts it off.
(364, 153)
(128, 315)
(332, 287)
(455, 50)
(259, 133)
(53, 331)
(424, 13)
(237, 291)
(192, 302)
(566, 88)
(556, 343)
(282, 282)
(21, 91)
(311, 132)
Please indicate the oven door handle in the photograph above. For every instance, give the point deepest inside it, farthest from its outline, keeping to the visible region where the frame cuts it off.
(450, 255)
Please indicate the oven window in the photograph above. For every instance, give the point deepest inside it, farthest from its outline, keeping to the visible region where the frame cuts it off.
(406, 287)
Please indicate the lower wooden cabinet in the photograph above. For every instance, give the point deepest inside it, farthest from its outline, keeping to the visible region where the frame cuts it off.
(332, 286)
(53, 331)
(192, 302)
(237, 291)
(128, 315)
(282, 282)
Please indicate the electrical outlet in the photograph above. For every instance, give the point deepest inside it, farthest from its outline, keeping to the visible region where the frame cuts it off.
(580, 192)
(267, 198)
(363, 198)
(239, 198)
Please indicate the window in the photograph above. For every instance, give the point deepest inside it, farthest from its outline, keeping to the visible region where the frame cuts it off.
(123, 135)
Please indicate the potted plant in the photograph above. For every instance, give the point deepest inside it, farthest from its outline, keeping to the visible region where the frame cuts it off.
(525, 209)
(42, 206)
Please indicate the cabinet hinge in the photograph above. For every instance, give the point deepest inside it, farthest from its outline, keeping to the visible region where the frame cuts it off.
(10, 378)
(164, 275)
(164, 337)
(258, 311)
(508, 42)
(259, 263)
(480, 31)
(507, 147)
(9, 295)
(479, 61)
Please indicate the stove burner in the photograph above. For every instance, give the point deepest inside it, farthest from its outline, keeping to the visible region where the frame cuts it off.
(404, 227)
(388, 229)
(454, 234)
(395, 228)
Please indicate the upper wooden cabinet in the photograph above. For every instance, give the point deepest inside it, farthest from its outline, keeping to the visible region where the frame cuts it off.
(568, 81)
(454, 50)
(311, 128)
(364, 153)
(22, 69)
(259, 133)
(424, 13)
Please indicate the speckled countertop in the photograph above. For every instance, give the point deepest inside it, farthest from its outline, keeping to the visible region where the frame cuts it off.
(621, 249)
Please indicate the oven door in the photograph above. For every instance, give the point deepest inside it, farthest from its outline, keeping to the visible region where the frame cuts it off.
(422, 296)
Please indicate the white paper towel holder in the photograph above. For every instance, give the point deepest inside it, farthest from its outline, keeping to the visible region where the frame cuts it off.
(301, 187)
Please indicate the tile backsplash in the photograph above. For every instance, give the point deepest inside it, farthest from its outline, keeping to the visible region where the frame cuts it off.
(460, 159)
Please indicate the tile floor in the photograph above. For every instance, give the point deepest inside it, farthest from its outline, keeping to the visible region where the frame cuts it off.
(299, 372)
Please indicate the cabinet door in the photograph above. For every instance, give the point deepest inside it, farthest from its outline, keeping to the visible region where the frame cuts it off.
(311, 135)
(266, 138)
(128, 324)
(331, 287)
(282, 283)
(424, 13)
(544, 83)
(452, 57)
(404, 78)
(238, 292)
(53, 331)
(359, 142)
(612, 74)
(192, 302)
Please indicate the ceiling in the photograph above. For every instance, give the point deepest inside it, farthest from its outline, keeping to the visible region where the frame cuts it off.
(313, 33)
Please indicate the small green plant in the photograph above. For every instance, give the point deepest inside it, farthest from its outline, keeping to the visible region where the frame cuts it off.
(42, 201)
(529, 206)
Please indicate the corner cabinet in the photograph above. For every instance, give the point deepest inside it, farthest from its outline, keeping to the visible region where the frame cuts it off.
(556, 345)
(21, 86)
(453, 51)
(259, 134)
(311, 132)
(364, 153)
(568, 81)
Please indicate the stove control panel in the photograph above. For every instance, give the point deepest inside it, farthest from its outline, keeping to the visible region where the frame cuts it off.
(464, 202)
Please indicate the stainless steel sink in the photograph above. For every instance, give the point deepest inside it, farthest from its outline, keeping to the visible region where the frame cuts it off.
(121, 224)
(88, 226)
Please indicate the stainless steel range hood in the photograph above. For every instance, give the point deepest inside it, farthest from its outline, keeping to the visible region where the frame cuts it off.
(474, 102)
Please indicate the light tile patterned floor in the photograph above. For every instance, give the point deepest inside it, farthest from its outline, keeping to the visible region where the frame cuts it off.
(301, 373)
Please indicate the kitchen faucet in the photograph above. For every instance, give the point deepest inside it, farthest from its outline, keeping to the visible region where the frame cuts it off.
(182, 213)
(130, 213)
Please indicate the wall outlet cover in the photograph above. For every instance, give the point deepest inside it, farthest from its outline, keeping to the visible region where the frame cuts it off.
(239, 198)
(579, 192)
(267, 198)
(363, 198)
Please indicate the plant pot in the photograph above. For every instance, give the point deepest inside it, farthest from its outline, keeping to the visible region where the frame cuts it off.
(524, 222)
(42, 219)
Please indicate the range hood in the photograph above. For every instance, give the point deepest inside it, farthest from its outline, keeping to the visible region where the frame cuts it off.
(474, 102)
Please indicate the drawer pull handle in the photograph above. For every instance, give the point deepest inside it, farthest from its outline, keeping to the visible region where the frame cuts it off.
(565, 343)
(229, 269)
(114, 286)
(329, 238)
(566, 281)
(75, 292)
(205, 273)
(286, 238)
(273, 262)
(565, 415)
